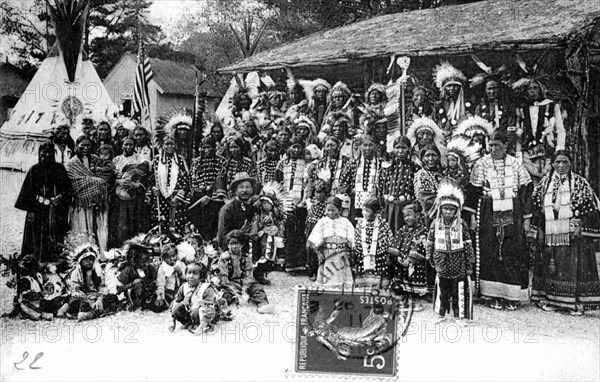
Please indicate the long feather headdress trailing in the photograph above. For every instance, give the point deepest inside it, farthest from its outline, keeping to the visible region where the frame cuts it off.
(425, 123)
(278, 196)
(445, 74)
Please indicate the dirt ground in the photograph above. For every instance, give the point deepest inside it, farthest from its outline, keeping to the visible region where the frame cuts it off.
(528, 344)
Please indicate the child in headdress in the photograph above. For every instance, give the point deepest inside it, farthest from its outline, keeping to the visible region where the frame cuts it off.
(170, 276)
(86, 285)
(236, 271)
(409, 271)
(450, 252)
(268, 226)
(333, 240)
(372, 240)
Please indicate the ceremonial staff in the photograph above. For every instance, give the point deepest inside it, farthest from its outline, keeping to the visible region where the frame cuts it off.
(403, 63)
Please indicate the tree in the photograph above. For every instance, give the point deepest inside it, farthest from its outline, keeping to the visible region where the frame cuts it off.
(115, 27)
(27, 28)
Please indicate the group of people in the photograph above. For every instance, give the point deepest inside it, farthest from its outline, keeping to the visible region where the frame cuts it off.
(462, 200)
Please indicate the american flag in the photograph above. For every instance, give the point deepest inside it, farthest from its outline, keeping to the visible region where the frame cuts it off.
(143, 76)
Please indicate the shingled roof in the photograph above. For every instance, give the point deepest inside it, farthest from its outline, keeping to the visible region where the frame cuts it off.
(487, 25)
(179, 78)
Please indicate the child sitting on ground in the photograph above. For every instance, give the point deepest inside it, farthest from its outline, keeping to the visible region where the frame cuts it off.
(196, 304)
(236, 270)
(450, 252)
(170, 277)
(86, 285)
(138, 277)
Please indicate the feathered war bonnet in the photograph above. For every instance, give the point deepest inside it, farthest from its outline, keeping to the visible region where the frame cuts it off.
(446, 74)
(466, 151)
(425, 123)
(315, 85)
(449, 193)
(171, 121)
(475, 125)
(278, 196)
(371, 118)
(306, 121)
(532, 74)
(489, 74)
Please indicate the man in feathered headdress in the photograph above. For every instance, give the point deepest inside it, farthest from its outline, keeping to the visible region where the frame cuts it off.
(497, 105)
(499, 200)
(422, 132)
(452, 107)
(540, 126)
(241, 100)
(318, 105)
(177, 123)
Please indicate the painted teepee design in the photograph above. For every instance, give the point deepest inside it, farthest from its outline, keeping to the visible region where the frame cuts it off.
(65, 89)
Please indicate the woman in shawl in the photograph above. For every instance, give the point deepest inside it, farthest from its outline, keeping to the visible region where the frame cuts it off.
(128, 210)
(566, 222)
(89, 210)
(45, 195)
(170, 195)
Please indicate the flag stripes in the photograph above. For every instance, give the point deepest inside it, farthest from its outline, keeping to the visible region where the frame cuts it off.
(143, 77)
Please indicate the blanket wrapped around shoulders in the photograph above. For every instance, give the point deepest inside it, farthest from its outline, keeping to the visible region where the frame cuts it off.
(88, 189)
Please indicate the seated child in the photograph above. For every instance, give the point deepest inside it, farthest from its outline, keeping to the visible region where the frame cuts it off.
(372, 240)
(450, 252)
(86, 285)
(39, 298)
(196, 304)
(138, 277)
(235, 268)
(169, 278)
(409, 270)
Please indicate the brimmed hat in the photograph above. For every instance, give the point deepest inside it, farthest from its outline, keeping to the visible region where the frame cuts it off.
(242, 177)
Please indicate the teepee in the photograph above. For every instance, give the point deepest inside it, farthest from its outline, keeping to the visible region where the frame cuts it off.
(65, 89)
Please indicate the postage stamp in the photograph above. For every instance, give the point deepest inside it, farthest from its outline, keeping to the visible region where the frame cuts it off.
(348, 332)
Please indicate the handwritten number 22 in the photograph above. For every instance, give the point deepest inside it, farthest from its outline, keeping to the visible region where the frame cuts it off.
(31, 365)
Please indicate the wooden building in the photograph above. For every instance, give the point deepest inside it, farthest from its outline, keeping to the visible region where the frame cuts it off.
(561, 35)
(172, 85)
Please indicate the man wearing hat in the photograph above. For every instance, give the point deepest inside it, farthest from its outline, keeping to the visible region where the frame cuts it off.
(238, 213)
(204, 208)
(359, 179)
(499, 199)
